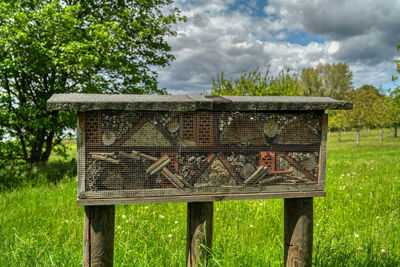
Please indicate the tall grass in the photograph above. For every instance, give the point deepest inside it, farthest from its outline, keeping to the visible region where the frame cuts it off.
(356, 224)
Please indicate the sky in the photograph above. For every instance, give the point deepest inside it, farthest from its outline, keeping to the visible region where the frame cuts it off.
(232, 36)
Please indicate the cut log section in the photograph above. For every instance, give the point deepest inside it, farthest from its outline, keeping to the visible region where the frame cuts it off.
(257, 175)
(158, 165)
(129, 156)
(172, 178)
(139, 154)
(180, 178)
(104, 158)
(269, 180)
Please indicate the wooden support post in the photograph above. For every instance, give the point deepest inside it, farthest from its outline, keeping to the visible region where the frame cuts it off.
(98, 236)
(298, 231)
(199, 232)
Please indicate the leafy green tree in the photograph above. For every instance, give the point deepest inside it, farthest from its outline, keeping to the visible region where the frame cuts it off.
(382, 117)
(254, 83)
(363, 113)
(333, 80)
(337, 121)
(50, 46)
(395, 96)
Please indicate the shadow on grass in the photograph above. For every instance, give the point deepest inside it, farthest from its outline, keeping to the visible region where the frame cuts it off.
(345, 256)
(21, 175)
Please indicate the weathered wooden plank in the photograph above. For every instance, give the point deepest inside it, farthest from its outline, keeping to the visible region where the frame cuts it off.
(98, 236)
(202, 191)
(85, 102)
(199, 233)
(197, 198)
(81, 153)
(298, 236)
(322, 152)
(213, 149)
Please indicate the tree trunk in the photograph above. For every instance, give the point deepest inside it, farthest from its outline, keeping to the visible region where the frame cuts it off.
(395, 131)
(358, 137)
(381, 135)
(340, 134)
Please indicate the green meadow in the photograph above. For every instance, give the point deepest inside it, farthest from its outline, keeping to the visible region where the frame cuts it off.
(356, 224)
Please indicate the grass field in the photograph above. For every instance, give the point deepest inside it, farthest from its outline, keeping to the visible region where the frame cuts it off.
(356, 224)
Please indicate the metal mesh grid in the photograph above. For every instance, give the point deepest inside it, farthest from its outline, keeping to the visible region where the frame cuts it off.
(148, 153)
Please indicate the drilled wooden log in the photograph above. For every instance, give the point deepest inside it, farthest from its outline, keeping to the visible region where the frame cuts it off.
(298, 216)
(98, 236)
(199, 233)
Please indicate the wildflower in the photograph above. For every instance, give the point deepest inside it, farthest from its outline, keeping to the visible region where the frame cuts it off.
(119, 227)
(251, 226)
(356, 235)
(123, 216)
(161, 216)
(176, 222)
(170, 236)
(66, 221)
(146, 207)
(383, 251)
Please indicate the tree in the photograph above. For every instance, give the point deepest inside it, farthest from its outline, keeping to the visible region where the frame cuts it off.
(363, 113)
(337, 121)
(382, 117)
(395, 97)
(50, 46)
(333, 80)
(254, 83)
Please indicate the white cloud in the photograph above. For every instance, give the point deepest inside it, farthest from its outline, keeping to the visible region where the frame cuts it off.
(222, 36)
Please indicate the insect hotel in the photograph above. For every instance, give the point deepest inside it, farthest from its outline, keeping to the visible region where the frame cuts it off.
(198, 149)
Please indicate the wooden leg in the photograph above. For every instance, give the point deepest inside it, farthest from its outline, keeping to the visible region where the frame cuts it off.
(298, 231)
(199, 232)
(98, 236)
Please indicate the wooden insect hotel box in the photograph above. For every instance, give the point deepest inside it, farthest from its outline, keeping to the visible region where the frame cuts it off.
(146, 148)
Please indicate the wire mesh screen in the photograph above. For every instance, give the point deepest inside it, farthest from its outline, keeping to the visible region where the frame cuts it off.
(131, 154)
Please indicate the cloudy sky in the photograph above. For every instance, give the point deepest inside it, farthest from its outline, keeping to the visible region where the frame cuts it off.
(231, 36)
